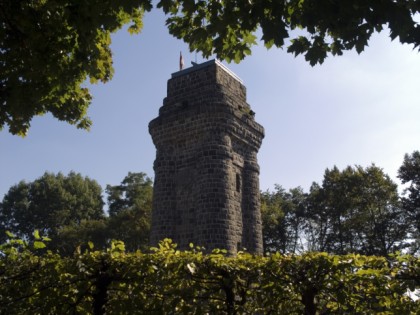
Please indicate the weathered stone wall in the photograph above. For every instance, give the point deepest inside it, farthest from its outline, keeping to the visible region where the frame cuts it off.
(206, 189)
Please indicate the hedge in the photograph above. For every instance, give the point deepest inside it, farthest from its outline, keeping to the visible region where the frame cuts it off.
(169, 281)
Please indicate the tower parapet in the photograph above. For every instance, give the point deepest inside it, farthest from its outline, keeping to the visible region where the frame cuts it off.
(206, 189)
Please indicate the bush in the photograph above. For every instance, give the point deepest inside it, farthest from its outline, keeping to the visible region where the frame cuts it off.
(168, 281)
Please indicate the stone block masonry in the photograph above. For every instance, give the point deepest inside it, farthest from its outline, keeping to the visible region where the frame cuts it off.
(206, 189)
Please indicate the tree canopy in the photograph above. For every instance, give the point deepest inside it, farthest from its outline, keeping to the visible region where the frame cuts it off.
(283, 217)
(228, 28)
(49, 48)
(70, 210)
(354, 210)
(409, 173)
(50, 203)
(130, 210)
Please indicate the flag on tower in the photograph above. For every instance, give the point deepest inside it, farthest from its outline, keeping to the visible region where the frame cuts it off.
(181, 61)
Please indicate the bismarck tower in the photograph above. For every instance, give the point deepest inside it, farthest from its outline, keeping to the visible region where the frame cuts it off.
(206, 189)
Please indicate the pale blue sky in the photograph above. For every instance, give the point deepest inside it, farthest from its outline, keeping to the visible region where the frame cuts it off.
(353, 109)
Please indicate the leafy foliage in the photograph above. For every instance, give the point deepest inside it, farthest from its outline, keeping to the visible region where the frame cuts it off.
(50, 203)
(283, 216)
(70, 210)
(49, 48)
(170, 281)
(356, 210)
(130, 208)
(409, 172)
(315, 28)
(133, 194)
(73, 237)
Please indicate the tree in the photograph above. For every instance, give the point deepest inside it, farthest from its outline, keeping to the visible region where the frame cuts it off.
(49, 204)
(72, 237)
(409, 172)
(227, 28)
(282, 216)
(49, 48)
(69, 209)
(130, 207)
(356, 210)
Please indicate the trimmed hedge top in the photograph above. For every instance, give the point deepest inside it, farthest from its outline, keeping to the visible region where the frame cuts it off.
(168, 281)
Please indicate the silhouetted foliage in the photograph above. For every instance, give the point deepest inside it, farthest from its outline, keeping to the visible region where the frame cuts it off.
(409, 173)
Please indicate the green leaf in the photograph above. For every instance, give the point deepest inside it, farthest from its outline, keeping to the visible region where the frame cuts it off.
(36, 235)
(10, 234)
(39, 245)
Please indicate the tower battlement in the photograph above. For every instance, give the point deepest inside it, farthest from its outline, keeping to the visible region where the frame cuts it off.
(206, 189)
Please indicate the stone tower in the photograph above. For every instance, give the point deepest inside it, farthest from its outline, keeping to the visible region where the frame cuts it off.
(206, 189)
